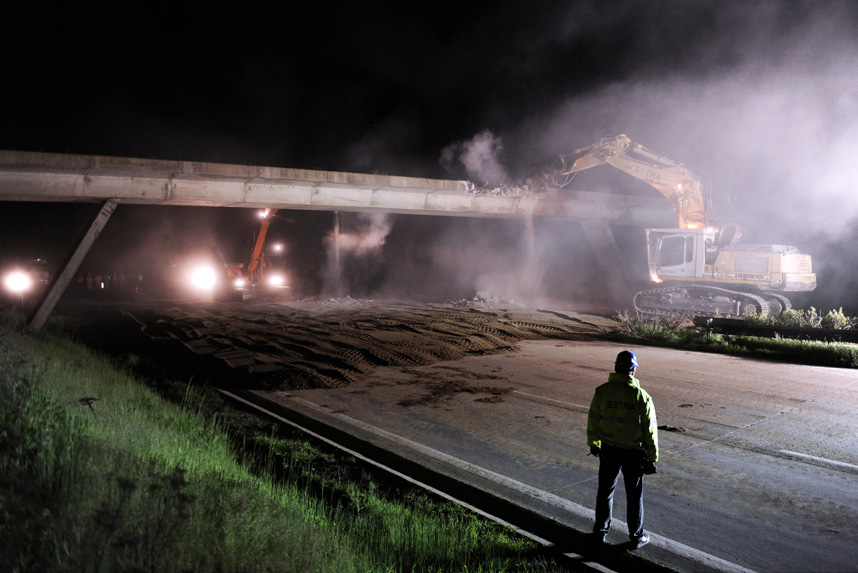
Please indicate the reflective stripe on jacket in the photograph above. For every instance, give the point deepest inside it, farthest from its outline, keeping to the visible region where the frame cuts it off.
(622, 414)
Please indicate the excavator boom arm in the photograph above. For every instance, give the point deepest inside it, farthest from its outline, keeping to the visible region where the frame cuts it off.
(673, 180)
(256, 257)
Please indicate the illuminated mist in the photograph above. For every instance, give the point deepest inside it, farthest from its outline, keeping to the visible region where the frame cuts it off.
(480, 157)
(774, 129)
(759, 98)
(353, 253)
(761, 102)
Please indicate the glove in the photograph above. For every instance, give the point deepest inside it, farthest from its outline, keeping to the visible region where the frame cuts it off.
(649, 468)
(595, 450)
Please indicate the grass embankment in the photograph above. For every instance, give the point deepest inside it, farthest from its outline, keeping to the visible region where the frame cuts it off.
(681, 333)
(99, 473)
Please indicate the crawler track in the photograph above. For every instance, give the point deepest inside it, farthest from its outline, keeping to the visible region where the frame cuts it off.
(704, 300)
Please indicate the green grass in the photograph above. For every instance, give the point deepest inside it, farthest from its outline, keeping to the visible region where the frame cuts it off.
(680, 333)
(99, 473)
(805, 318)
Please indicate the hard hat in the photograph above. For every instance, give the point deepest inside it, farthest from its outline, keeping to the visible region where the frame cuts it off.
(626, 359)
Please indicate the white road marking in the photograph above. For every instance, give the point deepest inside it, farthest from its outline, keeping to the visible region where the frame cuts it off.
(552, 401)
(710, 561)
(579, 558)
(824, 461)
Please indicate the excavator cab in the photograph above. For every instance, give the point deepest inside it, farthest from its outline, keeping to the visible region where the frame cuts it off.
(678, 253)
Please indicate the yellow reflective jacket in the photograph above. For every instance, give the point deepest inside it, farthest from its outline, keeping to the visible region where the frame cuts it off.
(622, 414)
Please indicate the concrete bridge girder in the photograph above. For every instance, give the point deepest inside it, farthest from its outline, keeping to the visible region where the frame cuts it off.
(51, 177)
(56, 177)
(173, 189)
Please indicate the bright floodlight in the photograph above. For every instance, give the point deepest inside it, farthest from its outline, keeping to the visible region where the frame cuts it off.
(276, 280)
(203, 278)
(18, 281)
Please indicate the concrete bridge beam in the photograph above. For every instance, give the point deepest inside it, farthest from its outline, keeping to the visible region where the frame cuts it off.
(52, 177)
(26, 176)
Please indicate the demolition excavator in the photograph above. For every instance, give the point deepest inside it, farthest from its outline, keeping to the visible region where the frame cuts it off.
(701, 269)
(262, 277)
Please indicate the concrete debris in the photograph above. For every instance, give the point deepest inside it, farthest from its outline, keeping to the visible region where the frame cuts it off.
(485, 300)
(340, 301)
(499, 191)
(482, 299)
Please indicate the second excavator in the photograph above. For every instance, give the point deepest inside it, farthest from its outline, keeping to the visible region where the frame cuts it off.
(702, 269)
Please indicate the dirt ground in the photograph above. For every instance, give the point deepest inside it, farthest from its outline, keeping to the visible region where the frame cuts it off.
(506, 388)
(317, 344)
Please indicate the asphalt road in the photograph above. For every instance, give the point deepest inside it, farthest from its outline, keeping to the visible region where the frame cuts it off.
(759, 461)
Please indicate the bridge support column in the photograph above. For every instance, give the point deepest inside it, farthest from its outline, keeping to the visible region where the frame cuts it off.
(612, 264)
(59, 283)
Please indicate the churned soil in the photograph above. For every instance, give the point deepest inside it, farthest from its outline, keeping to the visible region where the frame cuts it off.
(313, 344)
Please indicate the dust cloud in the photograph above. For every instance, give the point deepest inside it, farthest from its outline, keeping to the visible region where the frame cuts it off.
(480, 157)
(758, 98)
(353, 252)
(762, 105)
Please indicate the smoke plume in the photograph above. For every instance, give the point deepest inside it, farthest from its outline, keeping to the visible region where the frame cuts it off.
(479, 156)
(354, 253)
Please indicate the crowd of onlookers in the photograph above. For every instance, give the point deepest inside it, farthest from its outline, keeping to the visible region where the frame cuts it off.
(94, 283)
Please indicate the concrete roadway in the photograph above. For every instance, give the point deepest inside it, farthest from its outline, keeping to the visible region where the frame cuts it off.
(759, 461)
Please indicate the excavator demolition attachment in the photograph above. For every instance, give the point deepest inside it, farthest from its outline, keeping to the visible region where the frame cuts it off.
(701, 269)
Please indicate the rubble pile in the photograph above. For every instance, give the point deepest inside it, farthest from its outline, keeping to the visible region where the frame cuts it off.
(484, 299)
(338, 301)
(498, 191)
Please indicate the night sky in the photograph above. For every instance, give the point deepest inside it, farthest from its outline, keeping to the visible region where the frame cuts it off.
(759, 97)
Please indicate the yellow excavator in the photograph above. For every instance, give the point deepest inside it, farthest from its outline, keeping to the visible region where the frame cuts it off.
(702, 269)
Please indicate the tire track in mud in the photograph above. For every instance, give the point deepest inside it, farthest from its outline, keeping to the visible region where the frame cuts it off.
(436, 388)
(305, 345)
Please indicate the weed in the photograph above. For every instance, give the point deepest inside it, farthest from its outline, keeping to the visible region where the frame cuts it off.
(100, 473)
(677, 333)
(667, 329)
(805, 318)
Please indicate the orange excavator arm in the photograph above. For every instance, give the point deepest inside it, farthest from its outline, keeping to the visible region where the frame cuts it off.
(673, 180)
(255, 266)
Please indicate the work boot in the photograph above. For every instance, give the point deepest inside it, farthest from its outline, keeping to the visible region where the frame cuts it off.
(599, 537)
(639, 542)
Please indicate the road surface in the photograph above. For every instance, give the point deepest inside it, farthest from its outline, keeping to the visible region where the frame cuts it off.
(759, 460)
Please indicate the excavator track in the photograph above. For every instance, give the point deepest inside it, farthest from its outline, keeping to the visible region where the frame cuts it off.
(702, 300)
(778, 303)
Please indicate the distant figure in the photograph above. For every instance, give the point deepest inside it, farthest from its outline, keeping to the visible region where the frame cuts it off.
(622, 432)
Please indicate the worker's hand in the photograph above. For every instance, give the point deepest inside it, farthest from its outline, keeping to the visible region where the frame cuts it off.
(649, 468)
(595, 450)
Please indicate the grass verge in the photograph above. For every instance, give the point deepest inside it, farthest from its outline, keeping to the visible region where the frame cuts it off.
(99, 473)
(681, 333)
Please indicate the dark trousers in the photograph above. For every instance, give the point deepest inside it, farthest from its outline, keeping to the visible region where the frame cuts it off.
(612, 461)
